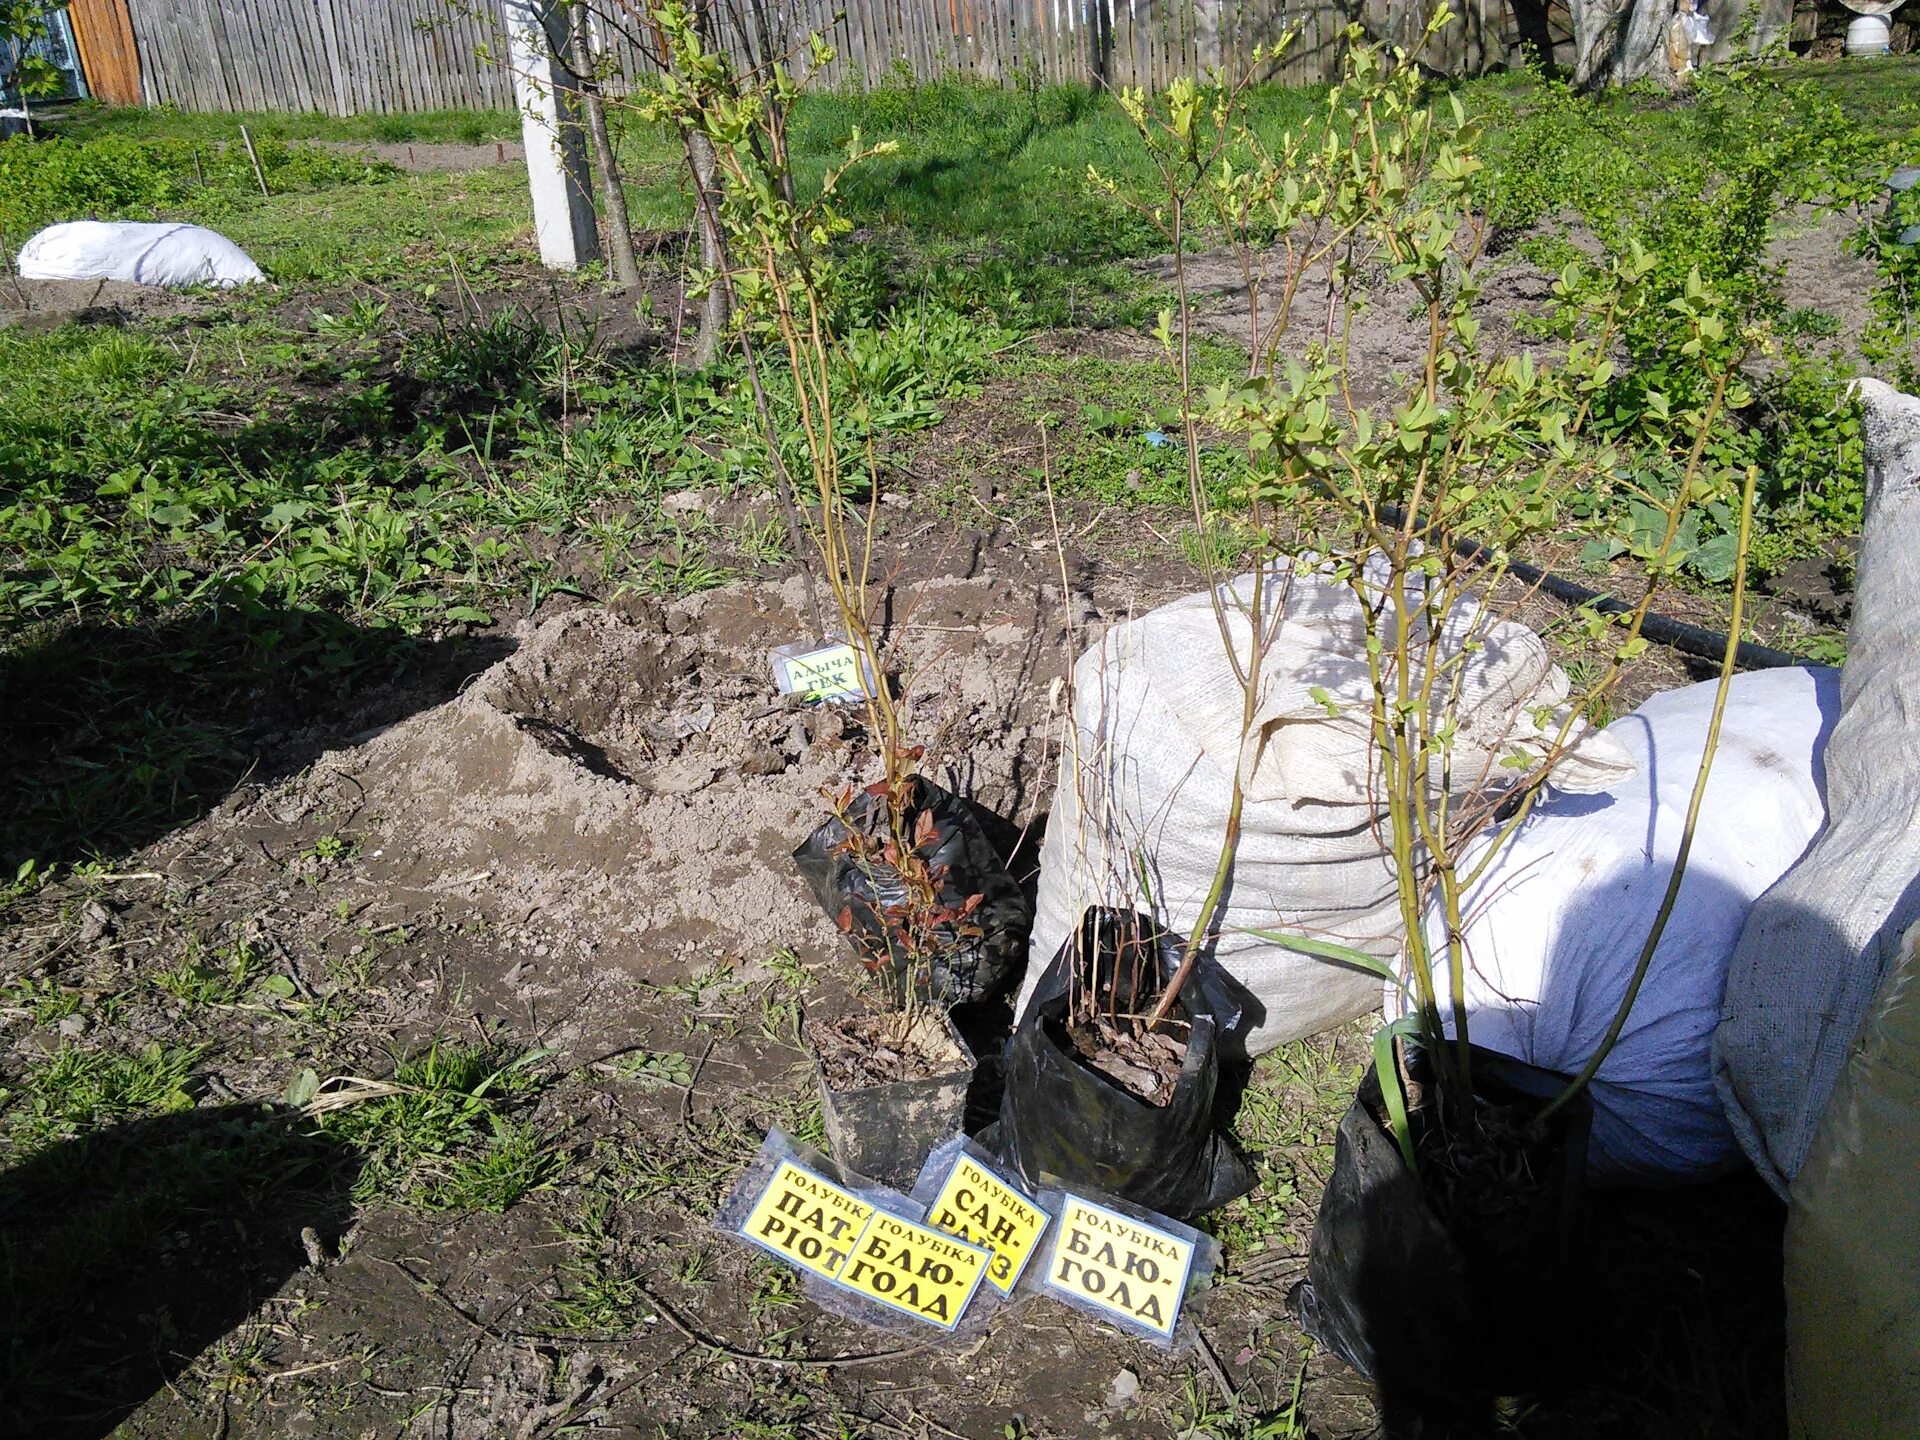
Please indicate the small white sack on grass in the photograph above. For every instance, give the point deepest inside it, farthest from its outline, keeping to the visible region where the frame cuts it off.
(1146, 780)
(1556, 925)
(176, 257)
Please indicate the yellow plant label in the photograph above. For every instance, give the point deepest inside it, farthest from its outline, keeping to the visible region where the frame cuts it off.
(825, 674)
(977, 1205)
(917, 1271)
(1129, 1269)
(807, 1220)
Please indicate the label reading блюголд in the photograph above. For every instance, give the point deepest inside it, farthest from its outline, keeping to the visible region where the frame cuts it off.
(915, 1270)
(1125, 1267)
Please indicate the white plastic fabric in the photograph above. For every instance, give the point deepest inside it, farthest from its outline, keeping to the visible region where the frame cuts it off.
(1557, 922)
(1817, 946)
(1146, 780)
(176, 257)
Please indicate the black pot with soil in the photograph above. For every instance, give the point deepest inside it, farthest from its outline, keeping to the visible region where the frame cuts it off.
(892, 1087)
(952, 922)
(1458, 1284)
(1096, 1096)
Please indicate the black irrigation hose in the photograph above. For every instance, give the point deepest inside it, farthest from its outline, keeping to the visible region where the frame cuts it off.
(1693, 640)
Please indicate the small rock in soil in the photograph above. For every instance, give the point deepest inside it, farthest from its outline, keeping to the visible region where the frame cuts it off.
(687, 502)
(96, 922)
(762, 759)
(1123, 1390)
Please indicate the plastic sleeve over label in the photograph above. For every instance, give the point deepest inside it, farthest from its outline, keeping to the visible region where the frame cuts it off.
(833, 672)
(807, 1220)
(978, 1206)
(915, 1270)
(1123, 1268)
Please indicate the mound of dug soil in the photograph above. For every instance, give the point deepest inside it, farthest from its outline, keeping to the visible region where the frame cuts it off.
(630, 787)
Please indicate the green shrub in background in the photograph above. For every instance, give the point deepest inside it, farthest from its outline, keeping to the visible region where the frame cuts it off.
(1892, 339)
(1700, 190)
(119, 177)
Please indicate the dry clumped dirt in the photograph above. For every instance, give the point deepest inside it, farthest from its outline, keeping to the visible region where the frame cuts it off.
(628, 786)
(37, 305)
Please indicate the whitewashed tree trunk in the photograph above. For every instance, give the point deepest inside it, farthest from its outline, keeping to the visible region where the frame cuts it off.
(1617, 42)
(563, 218)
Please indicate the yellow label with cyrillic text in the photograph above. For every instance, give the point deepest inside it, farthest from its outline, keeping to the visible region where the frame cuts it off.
(917, 1271)
(826, 674)
(807, 1220)
(977, 1205)
(1131, 1270)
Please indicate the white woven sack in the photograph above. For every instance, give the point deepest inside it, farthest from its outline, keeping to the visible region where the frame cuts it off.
(1146, 781)
(1556, 924)
(174, 256)
(1817, 945)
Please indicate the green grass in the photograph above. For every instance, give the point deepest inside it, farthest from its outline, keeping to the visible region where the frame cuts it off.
(409, 229)
(77, 1089)
(88, 119)
(301, 488)
(446, 1140)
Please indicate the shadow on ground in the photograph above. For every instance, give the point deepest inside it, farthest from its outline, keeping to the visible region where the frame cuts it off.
(126, 1252)
(111, 735)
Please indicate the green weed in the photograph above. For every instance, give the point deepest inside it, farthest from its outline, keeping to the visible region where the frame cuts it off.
(513, 1161)
(76, 1089)
(44, 1001)
(654, 1069)
(221, 979)
(443, 1140)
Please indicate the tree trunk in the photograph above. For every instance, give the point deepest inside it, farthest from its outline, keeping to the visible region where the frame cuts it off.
(1617, 42)
(713, 247)
(613, 191)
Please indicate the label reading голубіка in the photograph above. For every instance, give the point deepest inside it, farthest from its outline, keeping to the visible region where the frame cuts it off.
(1123, 1268)
(977, 1205)
(915, 1270)
(807, 1220)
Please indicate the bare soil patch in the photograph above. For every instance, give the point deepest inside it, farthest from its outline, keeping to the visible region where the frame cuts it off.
(48, 304)
(428, 157)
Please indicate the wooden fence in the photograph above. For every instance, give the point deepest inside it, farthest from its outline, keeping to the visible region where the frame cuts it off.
(369, 56)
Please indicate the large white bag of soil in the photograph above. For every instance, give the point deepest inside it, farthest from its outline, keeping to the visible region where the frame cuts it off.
(1146, 779)
(177, 257)
(1853, 1235)
(1556, 924)
(1818, 945)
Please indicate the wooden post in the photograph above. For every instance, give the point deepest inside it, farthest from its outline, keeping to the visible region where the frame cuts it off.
(253, 155)
(563, 217)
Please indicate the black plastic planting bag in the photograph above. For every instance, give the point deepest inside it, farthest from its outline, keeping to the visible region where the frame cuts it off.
(1410, 1306)
(970, 955)
(1062, 1122)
